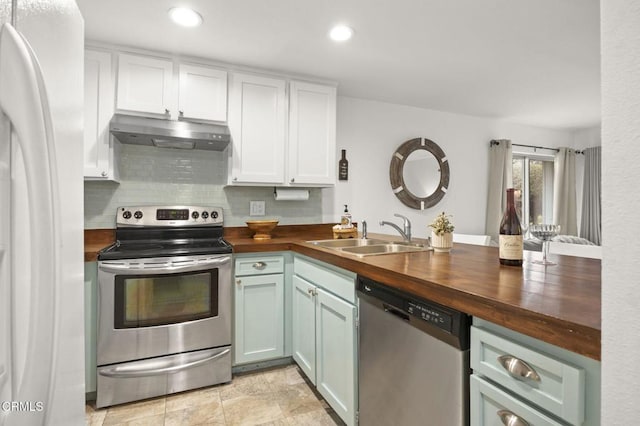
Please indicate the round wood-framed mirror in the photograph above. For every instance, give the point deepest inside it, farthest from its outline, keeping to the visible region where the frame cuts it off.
(419, 173)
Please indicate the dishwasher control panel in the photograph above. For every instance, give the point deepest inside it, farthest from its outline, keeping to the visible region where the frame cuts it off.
(431, 314)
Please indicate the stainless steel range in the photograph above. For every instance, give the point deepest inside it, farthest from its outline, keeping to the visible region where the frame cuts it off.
(164, 317)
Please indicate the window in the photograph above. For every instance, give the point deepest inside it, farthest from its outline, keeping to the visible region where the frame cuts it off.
(533, 181)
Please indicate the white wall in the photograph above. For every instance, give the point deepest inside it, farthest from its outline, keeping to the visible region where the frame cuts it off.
(586, 138)
(620, 31)
(371, 131)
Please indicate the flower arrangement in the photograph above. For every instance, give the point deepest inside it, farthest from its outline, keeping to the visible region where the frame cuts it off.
(441, 224)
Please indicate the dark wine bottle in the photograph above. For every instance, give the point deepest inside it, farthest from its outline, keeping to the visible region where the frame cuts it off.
(343, 167)
(510, 234)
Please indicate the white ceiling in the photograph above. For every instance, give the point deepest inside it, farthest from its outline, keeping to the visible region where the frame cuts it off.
(534, 62)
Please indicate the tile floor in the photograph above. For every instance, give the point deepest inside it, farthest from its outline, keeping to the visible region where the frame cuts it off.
(278, 396)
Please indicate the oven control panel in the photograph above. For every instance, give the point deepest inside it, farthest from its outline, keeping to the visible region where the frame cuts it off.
(169, 216)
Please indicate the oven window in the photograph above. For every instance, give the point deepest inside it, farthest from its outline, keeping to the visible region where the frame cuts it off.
(150, 300)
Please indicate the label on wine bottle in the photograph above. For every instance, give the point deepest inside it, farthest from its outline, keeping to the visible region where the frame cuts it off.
(510, 247)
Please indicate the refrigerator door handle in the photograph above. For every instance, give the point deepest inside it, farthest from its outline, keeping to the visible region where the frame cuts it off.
(23, 100)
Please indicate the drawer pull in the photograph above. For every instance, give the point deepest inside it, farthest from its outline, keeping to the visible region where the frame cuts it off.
(510, 419)
(518, 368)
(259, 265)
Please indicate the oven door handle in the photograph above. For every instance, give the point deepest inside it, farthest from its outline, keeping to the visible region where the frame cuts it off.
(154, 367)
(128, 267)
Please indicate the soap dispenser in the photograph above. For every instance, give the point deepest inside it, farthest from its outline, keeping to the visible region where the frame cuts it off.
(345, 221)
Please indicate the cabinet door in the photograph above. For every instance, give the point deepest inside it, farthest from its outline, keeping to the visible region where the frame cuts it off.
(257, 108)
(98, 109)
(203, 93)
(336, 354)
(145, 84)
(312, 134)
(304, 327)
(259, 318)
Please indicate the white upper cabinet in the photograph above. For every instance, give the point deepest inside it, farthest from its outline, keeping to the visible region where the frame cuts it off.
(312, 134)
(257, 120)
(145, 84)
(99, 161)
(268, 149)
(149, 85)
(203, 93)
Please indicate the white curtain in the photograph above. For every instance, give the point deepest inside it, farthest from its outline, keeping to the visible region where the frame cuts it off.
(564, 192)
(590, 223)
(500, 178)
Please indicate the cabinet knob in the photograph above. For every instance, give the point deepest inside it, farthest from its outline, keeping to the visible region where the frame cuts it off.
(259, 265)
(103, 174)
(509, 419)
(238, 282)
(293, 180)
(181, 113)
(518, 368)
(235, 179)
(166, 111)
(312, 292)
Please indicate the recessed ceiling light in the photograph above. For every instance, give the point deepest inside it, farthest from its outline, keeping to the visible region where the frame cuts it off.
(185, 16)
(341, 33)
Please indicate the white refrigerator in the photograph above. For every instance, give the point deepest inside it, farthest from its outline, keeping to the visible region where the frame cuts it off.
(41, 213)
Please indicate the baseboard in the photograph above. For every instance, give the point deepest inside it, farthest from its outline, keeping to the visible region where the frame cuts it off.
(245, 368)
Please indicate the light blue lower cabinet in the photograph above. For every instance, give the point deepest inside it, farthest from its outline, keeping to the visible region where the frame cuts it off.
(259, 309)
(304, 327)
(324, 333)
(336, 353)
(492, 406)
(259, 318)
(519, 380)
(90, 326)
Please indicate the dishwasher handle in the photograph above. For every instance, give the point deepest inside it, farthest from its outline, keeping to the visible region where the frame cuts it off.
(398, 313)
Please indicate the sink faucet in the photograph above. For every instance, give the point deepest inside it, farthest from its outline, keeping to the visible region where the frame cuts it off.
(364, 229)
(406, 225)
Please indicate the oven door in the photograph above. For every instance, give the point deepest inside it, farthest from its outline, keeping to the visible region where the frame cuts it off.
(162, 306)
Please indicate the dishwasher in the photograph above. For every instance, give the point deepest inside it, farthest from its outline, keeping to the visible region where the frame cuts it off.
(413, 359)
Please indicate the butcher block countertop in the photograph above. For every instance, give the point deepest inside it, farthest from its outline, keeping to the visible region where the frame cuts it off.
(559, 304)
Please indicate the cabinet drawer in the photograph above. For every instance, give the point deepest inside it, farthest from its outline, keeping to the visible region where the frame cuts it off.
(489, 405)
(259, 265)
(552, 384)
(342, 285)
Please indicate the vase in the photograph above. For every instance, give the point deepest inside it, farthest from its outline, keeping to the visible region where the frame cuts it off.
(442, 243)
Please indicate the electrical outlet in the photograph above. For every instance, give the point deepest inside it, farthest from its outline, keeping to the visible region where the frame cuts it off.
(256, 208)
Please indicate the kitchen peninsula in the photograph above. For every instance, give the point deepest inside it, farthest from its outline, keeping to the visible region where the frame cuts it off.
(559, 304)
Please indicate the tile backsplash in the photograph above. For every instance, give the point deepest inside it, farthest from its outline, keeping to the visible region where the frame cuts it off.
(150, 175)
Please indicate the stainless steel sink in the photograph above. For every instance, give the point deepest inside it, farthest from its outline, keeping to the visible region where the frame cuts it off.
(351, 242)
(384, 249)
(370, 247)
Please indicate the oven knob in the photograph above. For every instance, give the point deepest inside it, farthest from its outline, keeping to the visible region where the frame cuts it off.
(126, 214)
(205, 215)
(195, 215)
(214, 214)
(138, 214)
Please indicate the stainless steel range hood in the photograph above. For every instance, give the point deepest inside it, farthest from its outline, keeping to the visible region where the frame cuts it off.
(169, 134)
